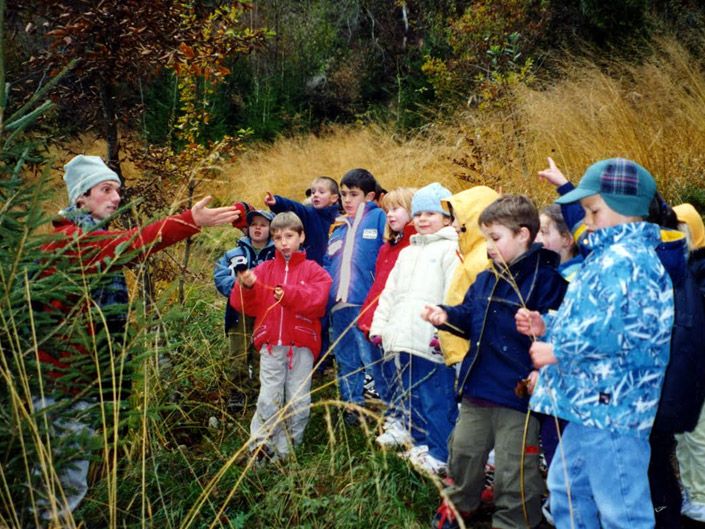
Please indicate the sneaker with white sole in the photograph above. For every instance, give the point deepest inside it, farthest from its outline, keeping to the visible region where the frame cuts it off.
(430, 465)
(693, 510)
(394, 435)
(414, 453)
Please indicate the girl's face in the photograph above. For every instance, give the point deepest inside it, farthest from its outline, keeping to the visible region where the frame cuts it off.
(102, 200)
(321, 195)
(552, 239)
(398, 217)
(428, 222)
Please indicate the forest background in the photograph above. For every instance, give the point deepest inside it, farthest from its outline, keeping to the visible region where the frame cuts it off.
(184, 98)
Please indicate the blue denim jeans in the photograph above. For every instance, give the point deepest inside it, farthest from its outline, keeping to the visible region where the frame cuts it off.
(607, 477)
(428, 402)
(354, 355)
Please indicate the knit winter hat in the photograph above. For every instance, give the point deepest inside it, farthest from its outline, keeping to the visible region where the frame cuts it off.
(624, 185)
(83, 172)
(688, 214)
(428, 199)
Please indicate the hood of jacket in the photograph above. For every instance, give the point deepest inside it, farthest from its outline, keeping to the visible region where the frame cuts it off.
(466, 207)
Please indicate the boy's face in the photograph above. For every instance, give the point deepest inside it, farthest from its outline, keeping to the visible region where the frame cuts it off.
(259, 230)
(321, 195)
(599, 215)
(428, 222)
(102, 200)
(504, 245)
(398, 217)
(287, 241)
(353, 197)
(551, 238)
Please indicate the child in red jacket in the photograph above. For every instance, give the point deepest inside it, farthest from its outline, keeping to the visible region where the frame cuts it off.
(287, 296)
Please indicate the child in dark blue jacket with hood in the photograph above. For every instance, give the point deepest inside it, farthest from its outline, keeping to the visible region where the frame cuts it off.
(492, 412)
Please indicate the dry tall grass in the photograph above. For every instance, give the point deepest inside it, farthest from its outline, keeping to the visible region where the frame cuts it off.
(653, 113)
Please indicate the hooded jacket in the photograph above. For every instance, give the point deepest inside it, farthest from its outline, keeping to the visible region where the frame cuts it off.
(387, 257)
(611, 335)
(316, 223)
(224, 271)
(420, 277)
(467, 206)
(295, 320)
(352, 252)
(498, 357)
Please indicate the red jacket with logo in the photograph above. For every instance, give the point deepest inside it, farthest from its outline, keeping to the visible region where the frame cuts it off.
(386, 258)
(296, 319)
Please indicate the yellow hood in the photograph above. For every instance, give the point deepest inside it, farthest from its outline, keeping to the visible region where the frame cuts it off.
(688, 214)
(467, 206)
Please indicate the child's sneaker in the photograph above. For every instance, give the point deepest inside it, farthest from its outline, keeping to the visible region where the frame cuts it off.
(414, 453)
(369, 389)
(431, 465)
(445, 518)
(394, 435)
(693, 510)
(546, 511)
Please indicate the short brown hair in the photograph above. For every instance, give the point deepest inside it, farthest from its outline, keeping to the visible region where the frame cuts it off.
(397, 198)
(286, 221)
(514, 212)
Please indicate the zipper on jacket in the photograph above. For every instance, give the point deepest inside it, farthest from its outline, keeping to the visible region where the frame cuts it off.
(281, 313)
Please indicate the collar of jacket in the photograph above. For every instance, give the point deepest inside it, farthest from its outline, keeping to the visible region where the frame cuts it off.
(349, 220)
(445, 233)
(528, 258)
(246, 241)
(408, 231)
(649, 233)
(295, 258)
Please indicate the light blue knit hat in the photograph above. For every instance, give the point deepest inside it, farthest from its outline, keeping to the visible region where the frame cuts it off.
(429, 198)
(83, 172)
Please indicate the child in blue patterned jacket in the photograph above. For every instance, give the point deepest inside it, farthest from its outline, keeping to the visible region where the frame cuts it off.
(604, 354)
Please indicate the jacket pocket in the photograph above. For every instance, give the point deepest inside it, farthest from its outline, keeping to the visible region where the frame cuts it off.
(305, 335)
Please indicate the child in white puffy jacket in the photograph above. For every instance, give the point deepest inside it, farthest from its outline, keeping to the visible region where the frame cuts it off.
(421, 277)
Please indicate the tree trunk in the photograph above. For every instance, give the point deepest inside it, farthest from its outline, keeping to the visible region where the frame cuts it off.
(110, 122)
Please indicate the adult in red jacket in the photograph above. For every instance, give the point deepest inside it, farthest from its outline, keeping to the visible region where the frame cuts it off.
(99, 254)
(287, 296)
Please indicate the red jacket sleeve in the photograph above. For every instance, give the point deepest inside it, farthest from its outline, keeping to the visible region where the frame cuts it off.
(144, 241)
(310, 298)
(251, 298)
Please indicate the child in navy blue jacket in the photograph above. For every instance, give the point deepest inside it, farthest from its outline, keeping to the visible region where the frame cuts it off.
(492, 412)
(317, 216)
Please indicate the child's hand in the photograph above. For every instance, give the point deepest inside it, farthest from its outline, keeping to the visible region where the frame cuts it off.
(542, 354)
(529, 323)
(247, 278)
(434, 315)
(278, 293)
(376, 340)
(531, 381)
(269, 199)
(552, 174)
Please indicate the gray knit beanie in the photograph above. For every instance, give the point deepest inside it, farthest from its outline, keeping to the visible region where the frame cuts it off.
(83, 172)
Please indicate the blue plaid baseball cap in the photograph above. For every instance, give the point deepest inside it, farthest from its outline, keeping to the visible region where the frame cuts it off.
(624, 185)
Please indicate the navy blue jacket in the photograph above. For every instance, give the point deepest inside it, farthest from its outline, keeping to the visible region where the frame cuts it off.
(224, 272)
(498, 357)
(316, 223)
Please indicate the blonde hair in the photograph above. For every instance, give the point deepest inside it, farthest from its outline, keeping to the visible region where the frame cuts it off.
(287, 220)
(396, 198)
